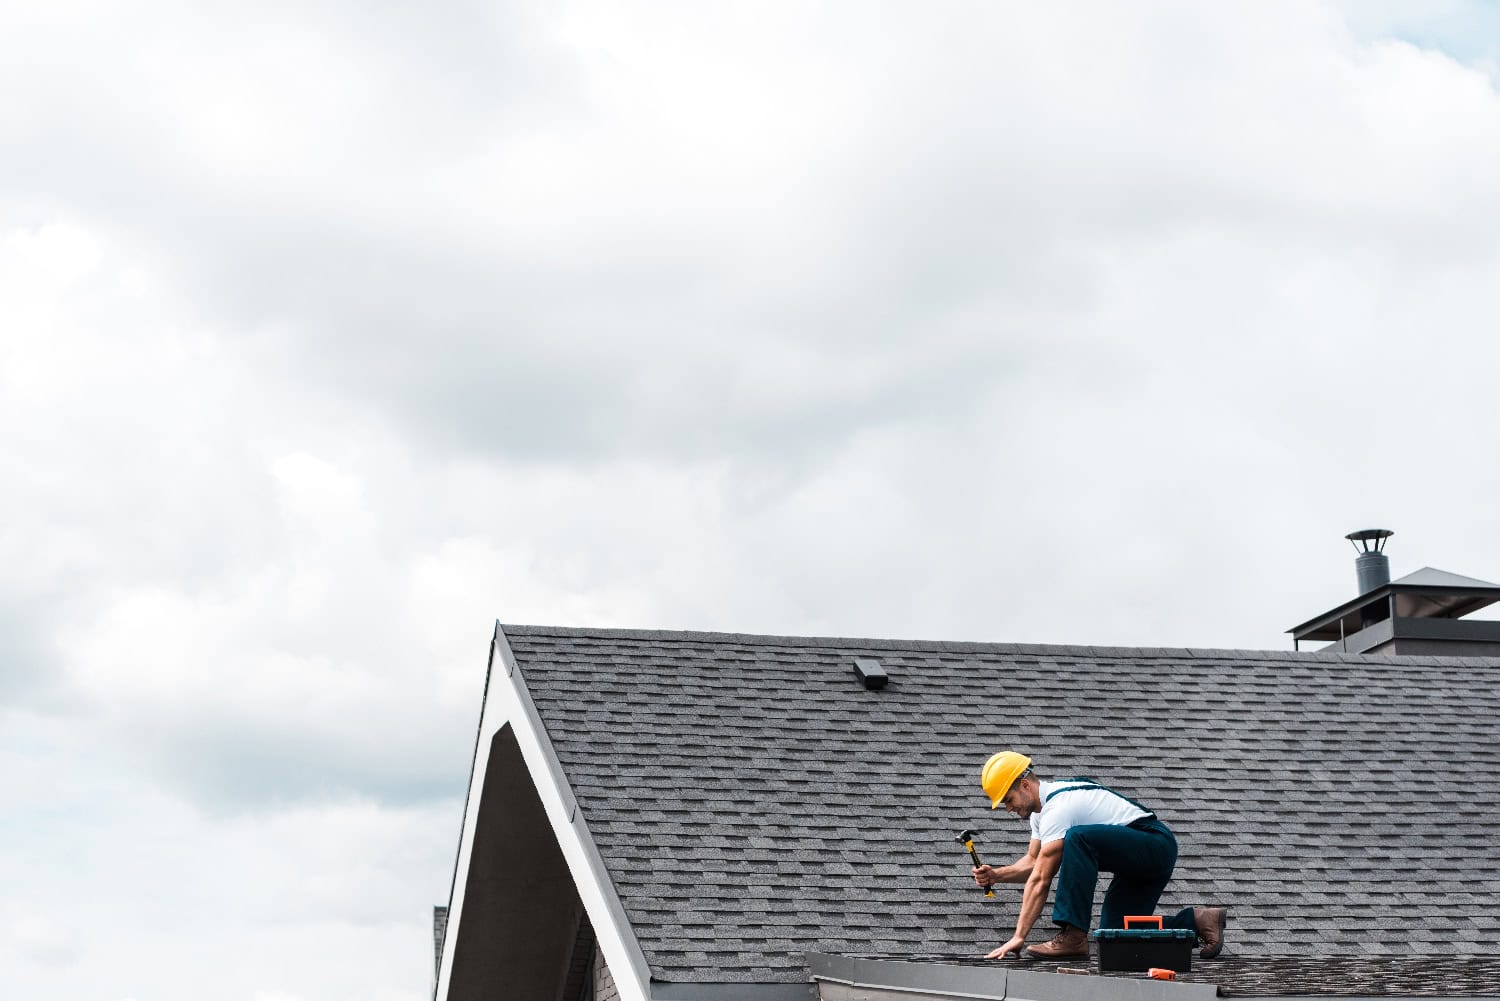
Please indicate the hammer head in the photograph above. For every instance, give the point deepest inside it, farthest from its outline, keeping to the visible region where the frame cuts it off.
(965, 837)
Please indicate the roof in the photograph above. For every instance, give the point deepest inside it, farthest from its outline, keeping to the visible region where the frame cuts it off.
(750, 801)
(1431, 577)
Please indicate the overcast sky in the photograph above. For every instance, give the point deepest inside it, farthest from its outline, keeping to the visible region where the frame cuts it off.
(331, 332)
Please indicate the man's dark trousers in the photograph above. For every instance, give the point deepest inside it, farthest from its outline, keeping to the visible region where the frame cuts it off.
(1141, 856)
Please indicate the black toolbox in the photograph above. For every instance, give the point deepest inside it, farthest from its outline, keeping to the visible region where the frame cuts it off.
(1136, 950)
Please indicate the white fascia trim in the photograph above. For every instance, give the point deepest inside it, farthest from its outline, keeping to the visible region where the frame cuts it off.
(506, 700)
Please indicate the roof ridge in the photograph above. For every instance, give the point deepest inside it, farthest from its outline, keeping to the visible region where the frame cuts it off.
(964, 646)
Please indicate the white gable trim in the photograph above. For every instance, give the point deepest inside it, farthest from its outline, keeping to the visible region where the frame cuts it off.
(506, 700)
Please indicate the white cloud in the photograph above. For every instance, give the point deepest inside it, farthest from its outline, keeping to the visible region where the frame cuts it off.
(316, 489)
(43, 940)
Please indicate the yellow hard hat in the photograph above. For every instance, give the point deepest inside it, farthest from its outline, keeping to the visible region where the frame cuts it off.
(1000, 773)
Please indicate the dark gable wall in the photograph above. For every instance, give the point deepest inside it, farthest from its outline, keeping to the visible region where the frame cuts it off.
(521, 911)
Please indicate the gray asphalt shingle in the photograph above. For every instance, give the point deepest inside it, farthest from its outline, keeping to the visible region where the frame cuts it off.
(753, 802)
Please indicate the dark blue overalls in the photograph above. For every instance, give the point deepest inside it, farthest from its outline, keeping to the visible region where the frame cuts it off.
(1141, 855)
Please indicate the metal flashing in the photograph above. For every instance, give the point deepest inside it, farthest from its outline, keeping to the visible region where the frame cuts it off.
(996, 982)
(731, 992)
(549, 753)
(986, 983)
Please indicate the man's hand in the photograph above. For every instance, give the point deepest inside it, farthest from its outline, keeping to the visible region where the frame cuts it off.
(986, 876)
(1015, 945)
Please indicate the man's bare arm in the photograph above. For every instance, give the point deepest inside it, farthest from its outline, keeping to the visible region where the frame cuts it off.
(1017, 872)
(1033, 897)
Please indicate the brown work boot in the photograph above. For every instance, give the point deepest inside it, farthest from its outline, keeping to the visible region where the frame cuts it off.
(1070, 943)
(1210, 922)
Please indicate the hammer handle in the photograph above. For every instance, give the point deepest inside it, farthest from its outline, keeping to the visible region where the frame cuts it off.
(988, 891)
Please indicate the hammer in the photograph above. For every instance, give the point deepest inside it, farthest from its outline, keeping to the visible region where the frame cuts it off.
(966, 838)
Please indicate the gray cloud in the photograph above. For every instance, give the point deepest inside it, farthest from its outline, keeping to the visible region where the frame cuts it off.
(230, 766)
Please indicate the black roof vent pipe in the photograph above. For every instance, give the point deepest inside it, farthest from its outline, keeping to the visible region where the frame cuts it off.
(1371, 566)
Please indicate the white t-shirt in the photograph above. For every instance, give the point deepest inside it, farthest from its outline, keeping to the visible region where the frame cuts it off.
(1088, 805)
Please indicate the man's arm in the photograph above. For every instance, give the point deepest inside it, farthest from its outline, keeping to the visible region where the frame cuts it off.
(1017, 872)
(1033, 897)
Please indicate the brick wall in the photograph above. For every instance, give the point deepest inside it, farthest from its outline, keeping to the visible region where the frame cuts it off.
(439, 928)
(604, 983)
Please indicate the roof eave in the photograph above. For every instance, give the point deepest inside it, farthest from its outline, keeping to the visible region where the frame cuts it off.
(1306, 630)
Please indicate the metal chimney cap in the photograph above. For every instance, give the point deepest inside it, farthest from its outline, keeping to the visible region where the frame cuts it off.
(1369, 540)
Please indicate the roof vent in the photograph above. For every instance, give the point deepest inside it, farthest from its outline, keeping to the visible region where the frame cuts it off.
(1371, 566)
(870, 673)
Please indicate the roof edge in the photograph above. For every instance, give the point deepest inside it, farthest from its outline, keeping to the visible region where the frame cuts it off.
(616, 919)
(508, 703)
(847, 643)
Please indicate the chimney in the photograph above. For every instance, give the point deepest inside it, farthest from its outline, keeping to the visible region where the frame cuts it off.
(1371, 567)
(1421, 614)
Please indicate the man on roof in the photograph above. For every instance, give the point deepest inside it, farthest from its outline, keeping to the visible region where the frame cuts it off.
(1078, 828)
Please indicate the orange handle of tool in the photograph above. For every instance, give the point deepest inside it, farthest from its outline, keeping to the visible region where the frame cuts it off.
(1159, 973)
(1143, 921)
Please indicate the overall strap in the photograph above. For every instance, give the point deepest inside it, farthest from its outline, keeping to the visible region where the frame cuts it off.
(1088, 783)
